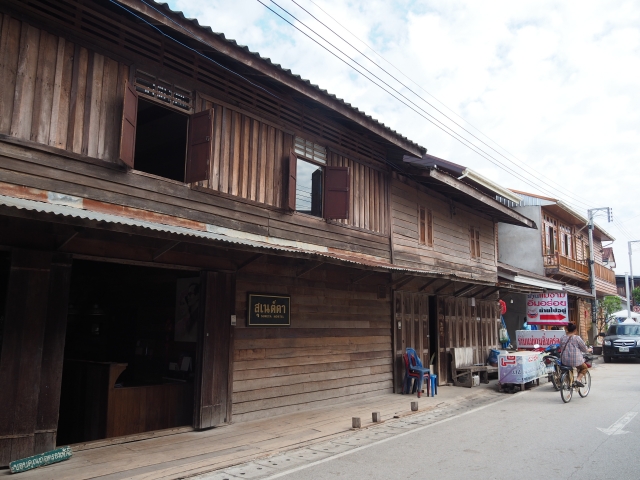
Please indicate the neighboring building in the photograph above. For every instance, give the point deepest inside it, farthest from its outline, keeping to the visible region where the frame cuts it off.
(559, 249)
(622, 289)
(608, 258)
(192, 235)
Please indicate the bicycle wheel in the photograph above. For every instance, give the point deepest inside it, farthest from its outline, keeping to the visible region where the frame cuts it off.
(555, 377)
(584, 391)
(566, 387)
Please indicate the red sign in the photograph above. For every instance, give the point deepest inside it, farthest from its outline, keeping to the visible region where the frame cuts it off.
(551, 309)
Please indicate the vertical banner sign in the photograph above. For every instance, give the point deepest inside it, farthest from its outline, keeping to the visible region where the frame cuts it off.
(551, 309)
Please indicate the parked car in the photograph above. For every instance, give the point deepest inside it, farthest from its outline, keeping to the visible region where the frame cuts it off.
(621, 341)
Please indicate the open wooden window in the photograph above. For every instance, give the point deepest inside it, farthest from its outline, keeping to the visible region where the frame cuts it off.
(336, 198)
(315, 188)
(474, 240)
(425, 226)
(160, 136)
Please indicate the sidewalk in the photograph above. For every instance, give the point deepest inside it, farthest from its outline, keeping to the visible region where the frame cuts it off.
(186, 454)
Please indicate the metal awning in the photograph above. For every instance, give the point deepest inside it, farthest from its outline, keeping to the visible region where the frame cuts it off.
(60, 208)
(580, 292)
(531, 281)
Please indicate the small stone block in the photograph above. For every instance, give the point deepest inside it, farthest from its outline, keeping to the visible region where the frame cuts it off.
(355, 422)
(414, 406)
(376, 417)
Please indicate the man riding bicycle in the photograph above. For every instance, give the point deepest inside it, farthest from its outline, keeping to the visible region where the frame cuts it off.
(573, 348)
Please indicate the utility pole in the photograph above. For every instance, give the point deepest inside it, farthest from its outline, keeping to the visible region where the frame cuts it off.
(631, 262)
(626, 286)
(592, 269)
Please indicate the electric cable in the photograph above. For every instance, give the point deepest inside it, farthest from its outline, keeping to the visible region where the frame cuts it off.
(522, 167)
(458, 137)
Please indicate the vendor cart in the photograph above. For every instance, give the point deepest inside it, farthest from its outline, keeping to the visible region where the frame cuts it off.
(516, 369)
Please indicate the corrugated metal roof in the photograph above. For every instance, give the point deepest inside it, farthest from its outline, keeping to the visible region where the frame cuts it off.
(68, 206)
(168, 11)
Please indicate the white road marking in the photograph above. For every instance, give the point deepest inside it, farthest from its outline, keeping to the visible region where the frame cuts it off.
(384, 440)
(616, 428)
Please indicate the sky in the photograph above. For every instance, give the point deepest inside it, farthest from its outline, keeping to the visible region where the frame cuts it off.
(545, 92)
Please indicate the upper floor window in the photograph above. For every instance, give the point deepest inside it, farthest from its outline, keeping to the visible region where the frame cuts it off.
(425, 226)
(566, 241)
(310, 163)
(160, 133)
(314, 187)
(474, 240)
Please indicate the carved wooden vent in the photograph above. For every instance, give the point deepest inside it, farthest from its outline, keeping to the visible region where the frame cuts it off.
(173, 96)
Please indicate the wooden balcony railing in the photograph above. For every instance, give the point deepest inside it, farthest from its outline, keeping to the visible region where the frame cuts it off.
(566, 265)
(605, 273)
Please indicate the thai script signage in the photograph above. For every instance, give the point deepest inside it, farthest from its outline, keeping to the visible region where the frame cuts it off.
(544, 338)
(548, 309)
(520, 367)
(268, 310)
(40, 460)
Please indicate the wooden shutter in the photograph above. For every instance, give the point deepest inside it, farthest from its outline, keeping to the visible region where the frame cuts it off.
(472, 243)
(291, 184)
(199, 150)
(477, 240)
(128, 130)
(429, 228)
(336, 193)
(422, 226)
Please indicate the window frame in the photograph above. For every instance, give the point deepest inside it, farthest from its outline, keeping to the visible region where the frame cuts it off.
(474, 243)
(425, 226)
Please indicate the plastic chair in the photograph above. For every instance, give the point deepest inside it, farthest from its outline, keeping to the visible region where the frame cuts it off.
(434, 384)
(415, 370)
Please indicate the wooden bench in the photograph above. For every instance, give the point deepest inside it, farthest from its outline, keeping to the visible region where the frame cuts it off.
(463, 368)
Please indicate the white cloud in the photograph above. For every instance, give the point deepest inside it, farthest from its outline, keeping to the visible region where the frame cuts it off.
(554, 83)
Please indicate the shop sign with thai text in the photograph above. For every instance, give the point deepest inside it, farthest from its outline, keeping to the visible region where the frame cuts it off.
(268, 310)
(550, 309)
(543, 338)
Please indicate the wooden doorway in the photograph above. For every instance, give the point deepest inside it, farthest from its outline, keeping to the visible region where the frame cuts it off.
(411, 330)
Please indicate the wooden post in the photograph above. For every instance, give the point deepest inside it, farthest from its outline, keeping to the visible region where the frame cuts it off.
(32, 353)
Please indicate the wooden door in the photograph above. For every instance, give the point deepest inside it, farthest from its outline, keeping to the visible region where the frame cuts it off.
(411, 330)
(214, 369)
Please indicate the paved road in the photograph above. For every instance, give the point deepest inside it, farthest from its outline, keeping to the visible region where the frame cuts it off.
(530, 435)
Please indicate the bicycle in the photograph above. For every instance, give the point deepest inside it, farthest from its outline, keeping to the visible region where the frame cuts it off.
(567, 382)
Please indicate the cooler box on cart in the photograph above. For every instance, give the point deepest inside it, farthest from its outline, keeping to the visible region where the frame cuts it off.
(520, 367)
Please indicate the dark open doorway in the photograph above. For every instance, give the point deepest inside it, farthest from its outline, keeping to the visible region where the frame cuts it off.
(130, 351)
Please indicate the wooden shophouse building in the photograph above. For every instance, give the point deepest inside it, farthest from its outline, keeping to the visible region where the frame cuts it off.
(559, 249)
(191, 235)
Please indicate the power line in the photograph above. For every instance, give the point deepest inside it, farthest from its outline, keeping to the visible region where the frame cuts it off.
(520, 165)
(453, 134)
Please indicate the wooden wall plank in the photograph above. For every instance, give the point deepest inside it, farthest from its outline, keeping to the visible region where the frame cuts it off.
(9, 55)
(106, 147)
(61, 94)
(43, 94)
(77, 104)
(25, 82)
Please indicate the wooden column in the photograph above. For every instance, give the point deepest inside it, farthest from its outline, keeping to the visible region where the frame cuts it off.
(214, 366)
(34, 333)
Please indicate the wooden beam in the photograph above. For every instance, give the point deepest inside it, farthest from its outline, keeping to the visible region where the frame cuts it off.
(70, 237)
(402, 281)
(430, 282)
(491, 292)
(251, 259)
(464, 290)
(165, 249)
(278, 74)
(308, 268)
(362, 276)
(442, 287)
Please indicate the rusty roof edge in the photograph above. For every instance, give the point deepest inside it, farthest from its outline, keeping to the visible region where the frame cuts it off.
(296, 81)
(69, 206)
